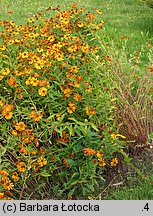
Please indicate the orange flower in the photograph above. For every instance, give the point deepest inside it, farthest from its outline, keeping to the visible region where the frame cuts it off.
(89, 151)
(77, 97)
(24, 151)
(42, 150)
(12, 82)
(67, 91)
(34, 152)
(74, 5)
(8, 107)
(9, 11)
(42, 91)
(4, 172)
(20, 96)
(3, 56)
(20, 126)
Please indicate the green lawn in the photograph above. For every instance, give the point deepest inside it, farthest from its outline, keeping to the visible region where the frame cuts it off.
(122, 18)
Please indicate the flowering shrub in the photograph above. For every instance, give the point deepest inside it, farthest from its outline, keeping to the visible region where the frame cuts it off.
(49, 136)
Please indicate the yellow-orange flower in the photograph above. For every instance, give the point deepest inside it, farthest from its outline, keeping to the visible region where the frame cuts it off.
(6, 183)
(7, 115)
(42, 161)
(77, 97)
(67, 36)
(24, 55)
(2, 48)
(59, 56)
(39, 64)
(14, 132)
(85, 48)
(20, 126)
(58, 116)
(15, 177)
(101, 163)
(114, 162)
(36, 116)
(71, 108)
(2, 103)
(90, 111)
(100, 154)
(42, 91)
(8, 107)
(80, 24)
(31, 20)
(4, 172)
(21, 167)
(89, 89)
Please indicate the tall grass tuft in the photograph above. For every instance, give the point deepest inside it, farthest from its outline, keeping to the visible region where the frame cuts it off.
(131, 90)
(133, 111)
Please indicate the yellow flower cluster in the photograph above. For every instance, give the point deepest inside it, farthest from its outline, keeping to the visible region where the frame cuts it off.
(101, 161)
(41, 162)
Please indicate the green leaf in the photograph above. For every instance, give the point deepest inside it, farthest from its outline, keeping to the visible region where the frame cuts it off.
(71, 192)
(3, 150)
(71, 162)
(45, 175)
(94, 127)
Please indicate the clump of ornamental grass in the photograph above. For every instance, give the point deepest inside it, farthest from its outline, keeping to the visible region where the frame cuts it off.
(134, 105)
(132, 94)
(48, 108)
